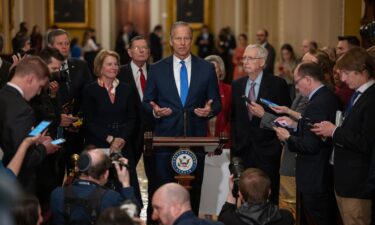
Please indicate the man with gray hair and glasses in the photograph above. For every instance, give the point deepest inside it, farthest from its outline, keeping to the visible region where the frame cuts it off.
(258, 147)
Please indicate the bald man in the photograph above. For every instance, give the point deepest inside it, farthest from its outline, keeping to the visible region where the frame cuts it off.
(171, 204)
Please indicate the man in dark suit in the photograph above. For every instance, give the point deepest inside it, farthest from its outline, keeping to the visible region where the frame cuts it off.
(181, 86)
(156, 43)
(4, 72)
(258, 147)
(4, 66)
(122, 42)
(262, 37)
(75, 75)
(313, 171)
(135, 75)
(205, 42)
(17, 117)
(354, 141)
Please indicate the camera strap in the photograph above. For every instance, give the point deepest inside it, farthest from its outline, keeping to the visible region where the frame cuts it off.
(90, 204)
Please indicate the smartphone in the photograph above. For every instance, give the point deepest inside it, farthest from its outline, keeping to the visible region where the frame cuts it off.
(267, 102)
(58, 141)
(39, 128)
(246, 99)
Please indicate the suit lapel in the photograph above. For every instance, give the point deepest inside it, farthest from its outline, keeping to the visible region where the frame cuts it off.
(362, 99)
(264, 87)
(171, 82)
(131, 79)
(194, 79)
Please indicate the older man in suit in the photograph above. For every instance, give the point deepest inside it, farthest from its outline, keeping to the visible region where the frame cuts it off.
(181, 87)
(258, 147)
(354, 141)
(135, 75)
(17, 117)
(313, 171)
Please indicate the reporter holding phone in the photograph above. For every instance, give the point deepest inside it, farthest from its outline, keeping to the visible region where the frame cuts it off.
(313, 172)
(17, 117)
(109, 111)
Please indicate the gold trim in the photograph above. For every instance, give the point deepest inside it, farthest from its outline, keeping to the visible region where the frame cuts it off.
(68, 25)
(206, 16)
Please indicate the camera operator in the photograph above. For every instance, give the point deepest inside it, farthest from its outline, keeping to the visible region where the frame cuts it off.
(84, 200)
(254, 191)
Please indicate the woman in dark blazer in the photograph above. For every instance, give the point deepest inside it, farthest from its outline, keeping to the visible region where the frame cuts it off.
(109, 111)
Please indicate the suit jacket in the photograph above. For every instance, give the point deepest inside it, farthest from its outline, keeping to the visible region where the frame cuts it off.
(79, 76)
(205, 49)
(144, 122)
(313, 171)
(156, 47)
(4, 73)
(354, 143)
(248, 135)
(121, 47)
(270, 62)
(16, 120)
(100, 114)
(161, 88)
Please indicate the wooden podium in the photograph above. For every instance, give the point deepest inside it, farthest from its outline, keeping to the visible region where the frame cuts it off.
(184, 143)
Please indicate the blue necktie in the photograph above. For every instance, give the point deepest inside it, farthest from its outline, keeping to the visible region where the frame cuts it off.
(351, 103)
(184, 86)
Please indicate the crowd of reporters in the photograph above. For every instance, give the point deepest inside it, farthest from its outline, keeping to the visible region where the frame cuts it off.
(63, 90)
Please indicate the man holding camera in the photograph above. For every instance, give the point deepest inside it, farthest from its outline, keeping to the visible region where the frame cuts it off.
(313, 171)
(254, 191)
(86, 198)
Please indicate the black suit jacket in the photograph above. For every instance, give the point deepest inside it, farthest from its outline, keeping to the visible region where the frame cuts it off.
(79, 77)
(143, 121)
(99, 114)
(156, 47)
(248, 137)
(4, 73)
(313, 171)
(205, 49)
(121, 47)
(270, 62)
(354, 143)
(16, 120)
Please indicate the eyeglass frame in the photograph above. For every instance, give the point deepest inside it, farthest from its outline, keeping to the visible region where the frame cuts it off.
(249, 58)
(139, 48)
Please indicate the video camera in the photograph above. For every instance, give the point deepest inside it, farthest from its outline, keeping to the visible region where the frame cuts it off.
(61, 76)
(236, 168)
(115, 158)
(368, 30)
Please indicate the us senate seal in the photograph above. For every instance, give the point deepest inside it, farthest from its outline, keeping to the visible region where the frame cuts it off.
(184, 161)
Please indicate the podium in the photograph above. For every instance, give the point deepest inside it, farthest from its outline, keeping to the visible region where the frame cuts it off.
(184, 160)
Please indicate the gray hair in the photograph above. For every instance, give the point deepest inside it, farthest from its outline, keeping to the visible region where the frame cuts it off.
(54, 33)
(180, 24)
(217, 59)
(262, 52)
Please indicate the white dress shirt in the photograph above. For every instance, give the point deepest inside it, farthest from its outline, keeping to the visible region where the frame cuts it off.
(177, 68)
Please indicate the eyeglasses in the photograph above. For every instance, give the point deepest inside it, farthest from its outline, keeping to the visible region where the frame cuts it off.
(297, 81)
(140, 48)
(249, 58)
